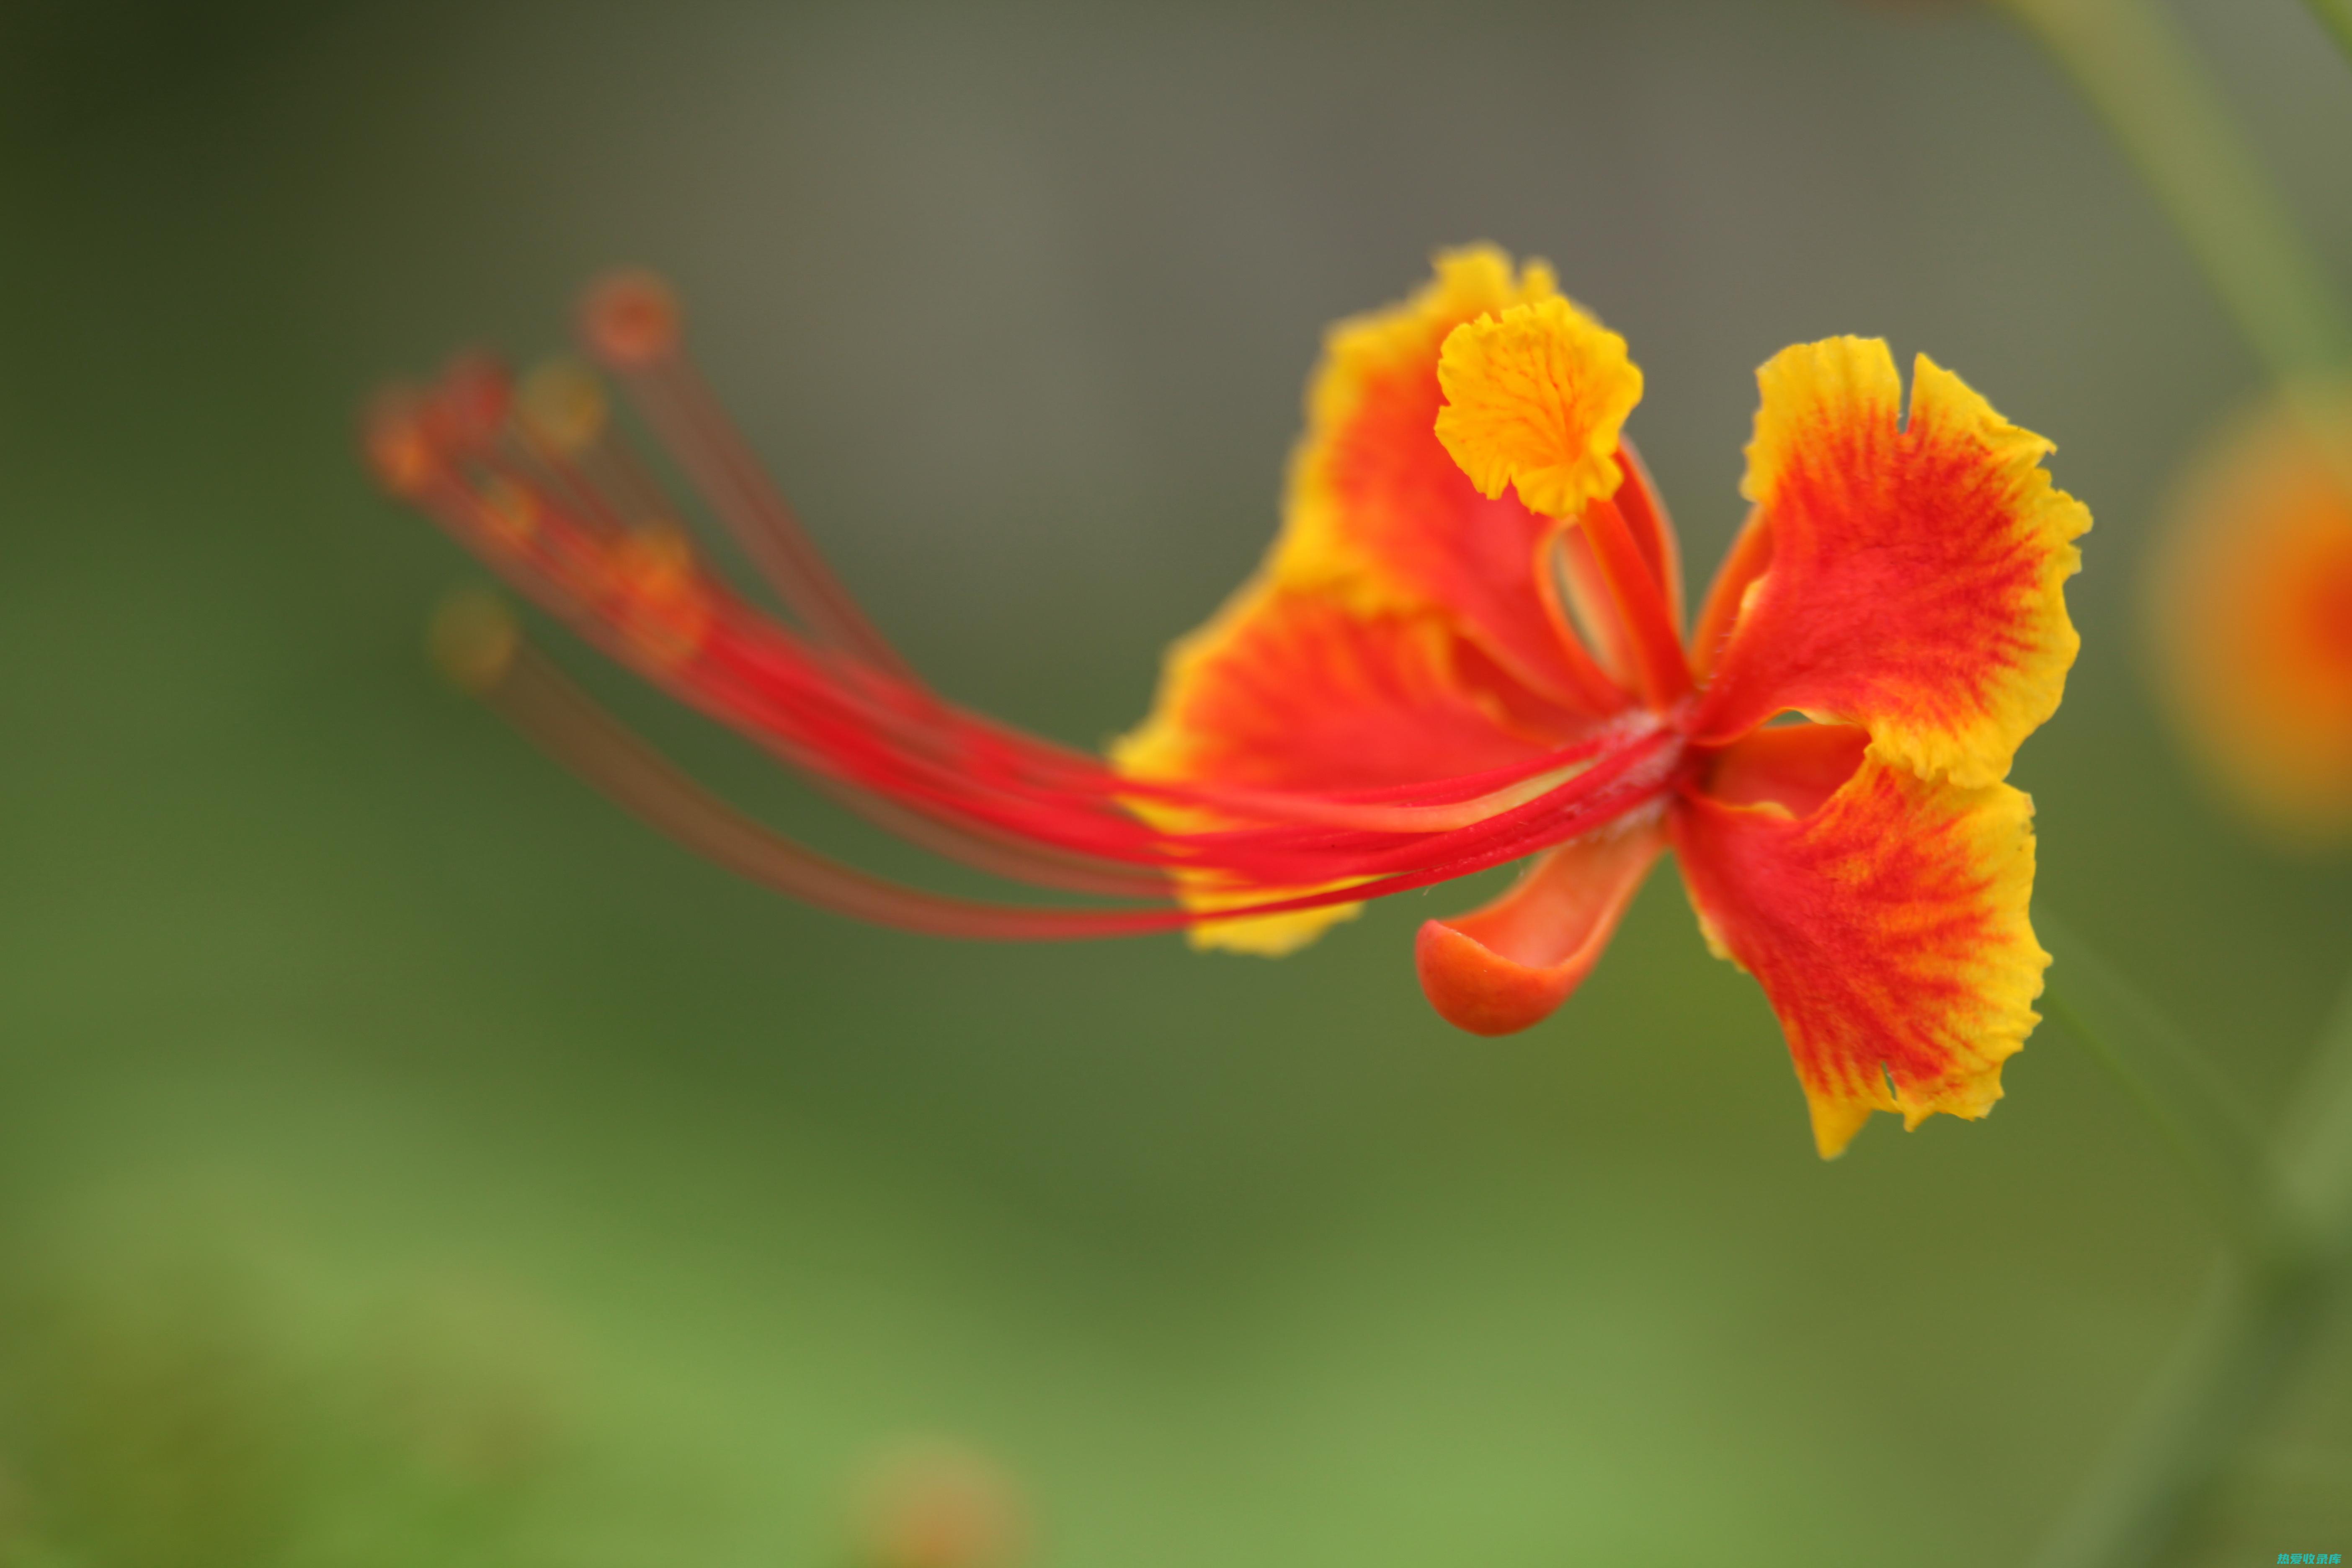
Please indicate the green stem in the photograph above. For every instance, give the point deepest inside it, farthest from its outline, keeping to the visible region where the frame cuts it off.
(2258, 1317)
(2250, 1331)
(2318, 1167)
(2335, 16)
(2192, 1107)
(2129, 62)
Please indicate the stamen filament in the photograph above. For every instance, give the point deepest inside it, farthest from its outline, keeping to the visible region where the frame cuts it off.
(679, 406)
(1431, 816)
(1660, 669)
(1596, 688)
(560, 718)
(1637, 497)
(547, 493)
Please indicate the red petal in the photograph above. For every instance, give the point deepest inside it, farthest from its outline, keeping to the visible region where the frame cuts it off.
(1887, 925)
(1916, 572)
(1503, 967)
(1287, 689)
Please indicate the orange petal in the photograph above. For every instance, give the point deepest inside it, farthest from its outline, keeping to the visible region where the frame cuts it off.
(1503, 967)
(1794, 766)
(1290, 688)
(1379, 514)
(1915, 583)
(2251, 616)
(1887, 924)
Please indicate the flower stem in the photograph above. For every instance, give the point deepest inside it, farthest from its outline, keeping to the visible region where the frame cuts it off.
(2129, 62)
(2250, 1331)
(2259, 1314)
(2335, 16)
(2317, 1164)
(2193, 1106)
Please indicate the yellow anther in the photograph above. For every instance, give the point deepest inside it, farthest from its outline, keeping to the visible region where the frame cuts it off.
(563, 404)
(654, 561)
(473, 639)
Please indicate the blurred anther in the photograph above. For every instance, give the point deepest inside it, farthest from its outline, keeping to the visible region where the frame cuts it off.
(472, 639)
(629, 320)
(564, 405)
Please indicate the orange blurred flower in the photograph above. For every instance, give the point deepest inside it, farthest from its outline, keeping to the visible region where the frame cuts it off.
(2251, 615)
(937, 1504)
(1464, 648)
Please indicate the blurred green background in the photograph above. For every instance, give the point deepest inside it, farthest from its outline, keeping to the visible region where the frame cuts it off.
(406, 1158)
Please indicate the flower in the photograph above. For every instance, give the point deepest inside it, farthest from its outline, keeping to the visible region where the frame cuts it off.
(1464, 648)
(2251, 615)
(934, 1503)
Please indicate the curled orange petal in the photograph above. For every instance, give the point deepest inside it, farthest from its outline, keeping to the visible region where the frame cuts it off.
(1500, 969)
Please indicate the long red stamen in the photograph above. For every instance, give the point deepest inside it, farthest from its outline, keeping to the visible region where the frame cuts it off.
(537, 484)
(481, 650)
(632, 323)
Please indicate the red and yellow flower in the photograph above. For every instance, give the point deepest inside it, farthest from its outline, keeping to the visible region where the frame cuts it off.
(1464, 648)
(2252, 615)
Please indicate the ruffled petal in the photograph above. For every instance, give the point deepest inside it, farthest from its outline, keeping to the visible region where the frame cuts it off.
(1502, 968)
(1916, 573)
(1290, 688)
(1380, 515)
(1887, 924)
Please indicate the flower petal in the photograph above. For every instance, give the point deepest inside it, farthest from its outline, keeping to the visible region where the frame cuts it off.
(1502, 968)
(1290, 688)
(1888, 926)
(1378, 513)
(1917, 573)
(2251, 611)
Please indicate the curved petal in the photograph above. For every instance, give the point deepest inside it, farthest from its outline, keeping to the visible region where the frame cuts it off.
(1380, 515)
(1916, 572)
(1289, 689)
(1502, 968)
(1888, 927)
